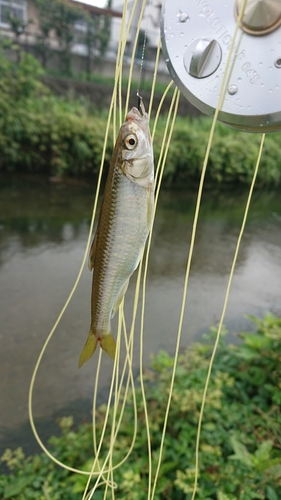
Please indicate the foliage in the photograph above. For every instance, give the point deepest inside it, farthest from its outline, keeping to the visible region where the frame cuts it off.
(240, 446)
(19, 83)
(43, 133)
(64, 18)
(232, 157)
(39, 132)
(61, 17)
(45, 18)
(18, 27)
(96, 37)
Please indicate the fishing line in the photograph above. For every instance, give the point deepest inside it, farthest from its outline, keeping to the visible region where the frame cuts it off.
(34, 374)
(118, 396)
(154, 80)
(129, 350)
(129, 345)
(116, 379)
(110, 453)
(134, 315)
(143, 48)
(223, 315)
(160, 167)
(130, 368)
(134, 53)
(195, 221)
(129, 357)
(101, 472)
(157, 115)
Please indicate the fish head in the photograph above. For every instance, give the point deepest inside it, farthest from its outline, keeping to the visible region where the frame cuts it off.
(137, 152)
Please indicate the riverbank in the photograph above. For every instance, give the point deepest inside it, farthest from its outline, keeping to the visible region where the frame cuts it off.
(240, 443)
(45, 133)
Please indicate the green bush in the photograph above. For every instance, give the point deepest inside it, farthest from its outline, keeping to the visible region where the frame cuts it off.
(232, 157)
(240, 447)
(43, 133)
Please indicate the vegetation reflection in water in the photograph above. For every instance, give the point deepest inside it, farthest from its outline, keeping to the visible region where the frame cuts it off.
(37, 206)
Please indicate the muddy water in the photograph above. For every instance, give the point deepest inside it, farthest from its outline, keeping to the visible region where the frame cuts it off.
(43, 233)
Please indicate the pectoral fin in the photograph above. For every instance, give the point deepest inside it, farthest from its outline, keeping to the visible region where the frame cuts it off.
(92, 253)
(119, 298)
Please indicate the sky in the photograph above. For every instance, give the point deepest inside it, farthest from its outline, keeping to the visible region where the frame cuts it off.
(98, 3)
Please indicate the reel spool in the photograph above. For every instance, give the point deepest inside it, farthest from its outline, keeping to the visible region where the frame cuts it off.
(196, 38)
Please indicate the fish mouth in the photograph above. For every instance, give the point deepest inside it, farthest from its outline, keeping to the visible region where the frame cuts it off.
(137, 113)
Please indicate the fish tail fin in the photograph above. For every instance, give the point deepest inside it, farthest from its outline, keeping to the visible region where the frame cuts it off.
(107, 343)
(89, 349)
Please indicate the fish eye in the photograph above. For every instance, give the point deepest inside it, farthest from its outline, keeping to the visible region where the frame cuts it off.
(130, 141)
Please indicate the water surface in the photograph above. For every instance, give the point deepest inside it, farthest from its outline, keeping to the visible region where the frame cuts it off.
(43, 234)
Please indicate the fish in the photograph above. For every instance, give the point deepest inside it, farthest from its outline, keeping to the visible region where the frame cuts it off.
(124, 223)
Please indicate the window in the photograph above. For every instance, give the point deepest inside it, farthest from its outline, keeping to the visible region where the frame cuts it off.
(80, 31)
(16, 8)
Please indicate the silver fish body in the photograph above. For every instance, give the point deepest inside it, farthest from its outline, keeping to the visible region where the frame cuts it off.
(124, 224)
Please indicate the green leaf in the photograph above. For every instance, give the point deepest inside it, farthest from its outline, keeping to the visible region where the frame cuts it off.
(18, 485)
(263, 451)
(223, 496)
(241, 453)
(271, 494)
(256, 340)
(246, 352)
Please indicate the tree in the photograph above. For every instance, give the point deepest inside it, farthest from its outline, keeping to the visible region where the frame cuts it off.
(64, 18)
(18, 27)
(45, 25)
(96, 37)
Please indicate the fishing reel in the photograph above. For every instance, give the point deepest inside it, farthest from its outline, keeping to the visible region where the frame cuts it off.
(196, 39)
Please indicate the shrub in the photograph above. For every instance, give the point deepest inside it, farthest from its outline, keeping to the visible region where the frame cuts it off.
(43, 133)
(240, 447)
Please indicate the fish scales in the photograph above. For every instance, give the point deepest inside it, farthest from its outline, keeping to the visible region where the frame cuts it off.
(125, 232)
(124, 223)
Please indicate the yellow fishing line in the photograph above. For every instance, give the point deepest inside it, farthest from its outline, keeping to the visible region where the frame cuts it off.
(129, 380)
(198, 203)
(118, 395)
(118, 75)
(96, 460)
(223, 315)
(129, 351)
(103, 467)
(154, 79)
(33, 378)
(128, 356)
(160, 167)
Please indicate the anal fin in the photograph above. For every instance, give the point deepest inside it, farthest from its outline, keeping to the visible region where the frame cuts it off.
(120, 298)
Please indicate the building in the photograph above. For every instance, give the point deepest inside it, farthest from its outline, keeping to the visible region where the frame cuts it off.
(27, 30)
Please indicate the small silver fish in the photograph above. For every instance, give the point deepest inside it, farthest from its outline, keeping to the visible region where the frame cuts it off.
(124, 223)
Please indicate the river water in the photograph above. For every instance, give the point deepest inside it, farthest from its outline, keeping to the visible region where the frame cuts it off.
(43, 234)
